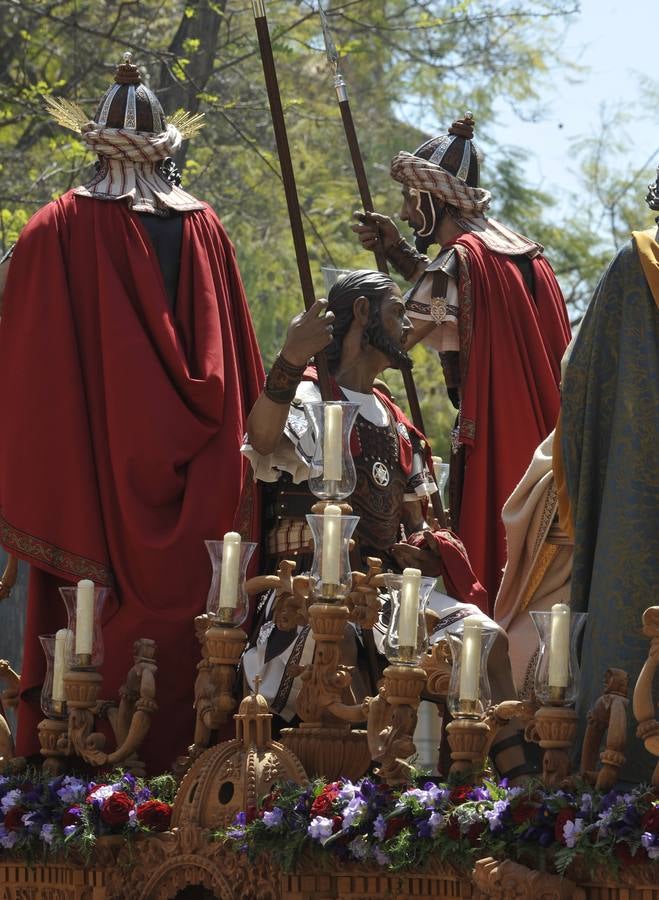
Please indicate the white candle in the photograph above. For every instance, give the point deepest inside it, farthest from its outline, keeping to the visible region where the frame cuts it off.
(63, 640)
(330, 568)
(559, 645)
(84, 617)
(332, 462)
(230, 571)
(470, 669)
(436, 463)
(408, 620)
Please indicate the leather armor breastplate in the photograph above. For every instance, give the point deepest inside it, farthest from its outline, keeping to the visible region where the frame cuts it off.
(379, 494)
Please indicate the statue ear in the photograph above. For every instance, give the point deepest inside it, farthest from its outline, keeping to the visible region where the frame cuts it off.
(360, 310)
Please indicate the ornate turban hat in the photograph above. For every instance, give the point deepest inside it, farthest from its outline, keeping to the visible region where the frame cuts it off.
(443, 171)
(131, 137)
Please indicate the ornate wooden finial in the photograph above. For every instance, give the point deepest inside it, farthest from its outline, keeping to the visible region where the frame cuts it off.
(257, 684)
(126, 72)
(464, 127)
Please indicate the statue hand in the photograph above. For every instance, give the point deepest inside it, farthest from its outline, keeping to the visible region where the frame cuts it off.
(375, 231)
(308, 333)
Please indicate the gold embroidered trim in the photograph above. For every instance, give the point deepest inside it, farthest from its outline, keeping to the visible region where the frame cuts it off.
(38, 551)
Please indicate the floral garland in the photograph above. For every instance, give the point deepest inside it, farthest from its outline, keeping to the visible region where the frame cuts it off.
(402, 828)
(40, 817)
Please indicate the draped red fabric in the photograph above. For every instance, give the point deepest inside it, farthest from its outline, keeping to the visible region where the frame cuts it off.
(511, 346)
(459, 579)
(122, 428)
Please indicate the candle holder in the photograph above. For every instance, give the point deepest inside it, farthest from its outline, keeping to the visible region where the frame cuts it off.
(404, 652)
(95, 658)
(338, 587)
(8, 700)
(548, 694)
(470, 700)
(228, 616)
(332, 474)
(55, 726)
(554, 725)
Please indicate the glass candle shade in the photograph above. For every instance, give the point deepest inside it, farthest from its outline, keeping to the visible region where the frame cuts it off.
(331, 276)
(332, 474)
(331, 575)
(86, 649)
(469, 694)
(229, 606)
(407, 635)
(441, 470)
(557, 668)
(51, 708)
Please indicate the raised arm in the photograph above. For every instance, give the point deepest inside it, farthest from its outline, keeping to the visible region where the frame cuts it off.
(308, 333)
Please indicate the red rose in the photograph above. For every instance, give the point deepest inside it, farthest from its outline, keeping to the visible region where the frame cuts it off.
(14, 818)
(115, 809)
(523, 812)
(453, 828)
(567, 814)
(460, 794)
(322, 805)
(474, 833)
(394, 826)
(650, 821)
(624, 854)
(337, 823)
(251, 813)
(154, 814)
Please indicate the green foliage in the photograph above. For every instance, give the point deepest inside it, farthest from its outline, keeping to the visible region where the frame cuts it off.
(403, 60)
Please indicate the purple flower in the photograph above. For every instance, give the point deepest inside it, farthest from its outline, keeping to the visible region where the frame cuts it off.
(436, 821)
(495, 815)
(352, 811)
(380, 827)
(11, 798)
(320, 828)
(130, 780)
(367, 789)
(359, 847)
(7, 838)
(571, 831)
(651, 844)
(479, 793)
(241, 818)
(69, 830)
(380, 856)
(273, 818)
(143, 795)
(47, 833)
(72, 789)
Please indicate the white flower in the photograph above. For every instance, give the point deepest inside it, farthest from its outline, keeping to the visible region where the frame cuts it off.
(273, 818)
(380, 827)
(72, 789)
(348, 791)
(320, 828)
(103, 791)
(133, 821)
(586, 803)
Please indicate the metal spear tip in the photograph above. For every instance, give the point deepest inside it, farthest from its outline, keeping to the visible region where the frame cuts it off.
(330, 46)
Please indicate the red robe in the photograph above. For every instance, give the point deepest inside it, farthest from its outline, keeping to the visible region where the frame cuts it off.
(123, 422)
(511, 344)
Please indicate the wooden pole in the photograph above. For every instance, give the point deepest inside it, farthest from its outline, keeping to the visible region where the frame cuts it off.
(288, 177)
(380, 258)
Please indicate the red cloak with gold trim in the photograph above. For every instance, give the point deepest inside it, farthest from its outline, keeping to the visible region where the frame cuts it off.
(122, 426)
(511, 344)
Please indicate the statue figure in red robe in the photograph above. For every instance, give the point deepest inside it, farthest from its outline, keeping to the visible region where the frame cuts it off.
(490, 304)
(128, 365)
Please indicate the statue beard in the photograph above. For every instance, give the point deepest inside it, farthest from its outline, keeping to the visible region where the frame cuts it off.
(378, 338)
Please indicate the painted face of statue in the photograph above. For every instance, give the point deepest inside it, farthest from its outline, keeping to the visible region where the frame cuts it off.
(388, 327)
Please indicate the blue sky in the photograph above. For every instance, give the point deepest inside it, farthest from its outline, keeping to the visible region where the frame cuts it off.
(615, 42)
